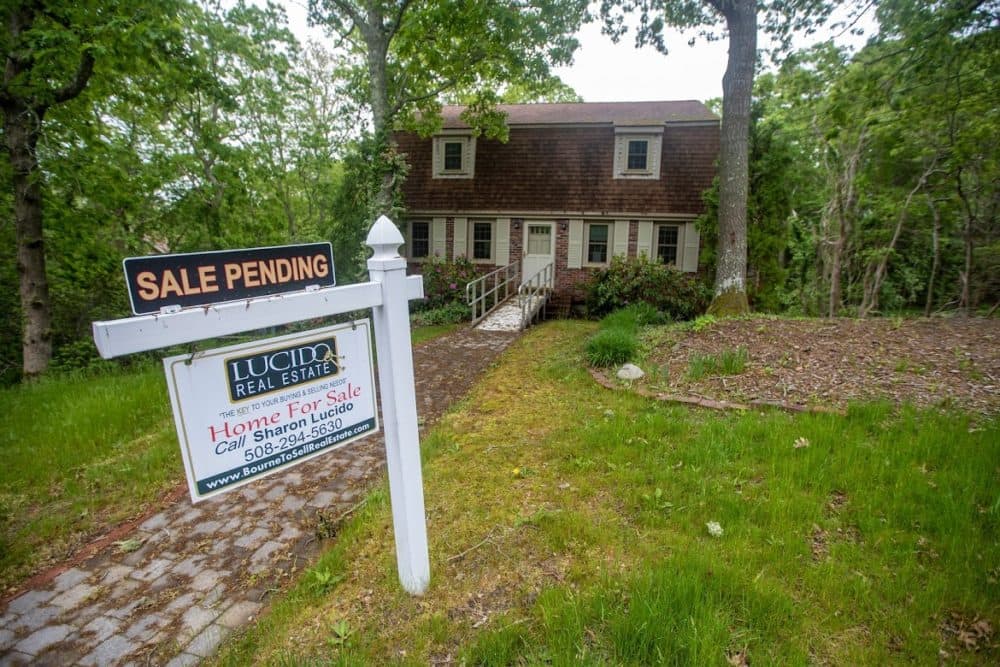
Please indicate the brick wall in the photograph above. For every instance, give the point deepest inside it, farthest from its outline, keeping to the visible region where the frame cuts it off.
(565, 169)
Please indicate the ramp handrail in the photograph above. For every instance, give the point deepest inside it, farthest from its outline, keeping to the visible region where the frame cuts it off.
(495, 284)
(534, 293)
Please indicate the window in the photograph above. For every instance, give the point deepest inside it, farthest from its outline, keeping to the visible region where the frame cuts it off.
(598, 237)
(666, 244)
(539, 239)
(638, 150)
(419, 239)
(481, 240)
(453, 155)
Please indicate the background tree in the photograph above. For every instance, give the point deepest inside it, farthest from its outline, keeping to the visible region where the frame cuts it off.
(51, 52)
(412, 53)
(740, 20)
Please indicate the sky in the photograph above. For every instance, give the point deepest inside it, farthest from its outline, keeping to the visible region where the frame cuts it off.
(606, 72)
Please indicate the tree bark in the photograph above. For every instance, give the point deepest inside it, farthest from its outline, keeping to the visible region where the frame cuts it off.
(965, 275)
(737, 87)
(21, 128)
(377, 37)
(22, 117)
(936, 259)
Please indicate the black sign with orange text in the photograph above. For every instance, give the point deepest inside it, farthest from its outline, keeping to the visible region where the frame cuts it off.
(196, 279)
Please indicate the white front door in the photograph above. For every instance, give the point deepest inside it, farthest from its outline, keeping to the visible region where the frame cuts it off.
(539, 248)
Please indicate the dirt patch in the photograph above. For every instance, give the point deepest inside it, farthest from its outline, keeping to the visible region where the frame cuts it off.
(831, 362)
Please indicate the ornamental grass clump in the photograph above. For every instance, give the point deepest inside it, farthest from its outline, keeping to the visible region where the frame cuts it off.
(610, 347)
(617, 341)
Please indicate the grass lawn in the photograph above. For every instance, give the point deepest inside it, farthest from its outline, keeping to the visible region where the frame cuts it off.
(81, 454)
(573, 525)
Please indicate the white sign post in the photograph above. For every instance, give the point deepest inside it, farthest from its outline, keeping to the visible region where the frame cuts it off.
(387, 294)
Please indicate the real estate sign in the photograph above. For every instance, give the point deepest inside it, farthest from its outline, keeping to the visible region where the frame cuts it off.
(202, 278)
(248, 410)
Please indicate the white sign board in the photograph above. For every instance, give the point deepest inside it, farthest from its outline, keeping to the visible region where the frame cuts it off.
(249, 410)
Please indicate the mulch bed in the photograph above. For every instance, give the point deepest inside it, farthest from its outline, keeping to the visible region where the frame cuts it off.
(827, 363)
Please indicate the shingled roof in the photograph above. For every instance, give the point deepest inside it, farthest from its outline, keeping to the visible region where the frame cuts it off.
(599, 113)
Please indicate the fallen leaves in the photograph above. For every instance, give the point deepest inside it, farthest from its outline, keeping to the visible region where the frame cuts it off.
(964, 634)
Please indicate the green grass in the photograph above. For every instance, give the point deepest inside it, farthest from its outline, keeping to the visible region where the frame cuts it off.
(726, 362)
(82, 453)
(567, 525)
(423, 333)
(79, 453)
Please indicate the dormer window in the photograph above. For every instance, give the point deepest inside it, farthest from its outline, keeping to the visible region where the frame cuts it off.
(637, 152)
(454, 155)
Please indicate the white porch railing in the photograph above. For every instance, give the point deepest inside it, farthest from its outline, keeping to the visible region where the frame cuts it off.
(488, 291)
(534, 293)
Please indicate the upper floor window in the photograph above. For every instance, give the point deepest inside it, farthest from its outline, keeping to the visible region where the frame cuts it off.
(454, 156)
(418, 237)
(666, 244)
(637, 152)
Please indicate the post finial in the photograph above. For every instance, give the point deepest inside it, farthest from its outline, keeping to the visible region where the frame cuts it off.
(384, 238)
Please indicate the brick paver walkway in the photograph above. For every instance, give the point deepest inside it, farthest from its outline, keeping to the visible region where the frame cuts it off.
(204, 570)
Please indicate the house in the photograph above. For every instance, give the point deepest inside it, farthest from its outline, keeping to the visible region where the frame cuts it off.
(574, 185)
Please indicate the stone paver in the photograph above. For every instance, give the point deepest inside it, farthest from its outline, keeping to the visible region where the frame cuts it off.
(202, 571)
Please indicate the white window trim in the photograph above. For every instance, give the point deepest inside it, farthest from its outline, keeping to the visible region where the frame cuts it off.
(653, 136)
(468, 142)
(409, 237)
(471, 240)
(585, 258)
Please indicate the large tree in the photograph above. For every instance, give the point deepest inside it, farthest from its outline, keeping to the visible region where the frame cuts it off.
(739, 18)
(414, 52)
(52, 51)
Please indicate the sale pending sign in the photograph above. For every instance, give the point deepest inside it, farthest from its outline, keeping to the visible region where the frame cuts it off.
(248, 410)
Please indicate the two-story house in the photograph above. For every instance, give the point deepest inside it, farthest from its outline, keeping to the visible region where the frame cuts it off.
(574, 185)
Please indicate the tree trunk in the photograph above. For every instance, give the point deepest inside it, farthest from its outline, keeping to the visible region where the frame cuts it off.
(965, 275)
(737, 87)
(936, 259)
(21, 128)
(377, 49)
(835, 266)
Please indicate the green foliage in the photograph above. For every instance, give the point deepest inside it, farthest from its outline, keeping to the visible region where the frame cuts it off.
(611, 347)
(641, 280)
(632, 317)
(445, 280)
(79, 449)
(727, 362)
(858, 520)
(617, 341)
(703, 322)
(449, 313)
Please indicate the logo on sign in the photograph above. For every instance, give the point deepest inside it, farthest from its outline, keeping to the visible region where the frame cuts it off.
(274, 370)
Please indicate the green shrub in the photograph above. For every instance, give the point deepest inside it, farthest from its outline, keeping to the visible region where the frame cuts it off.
(610, 347)
(672, 294)
(451, 313)
(445, 281)
(632, 317)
